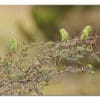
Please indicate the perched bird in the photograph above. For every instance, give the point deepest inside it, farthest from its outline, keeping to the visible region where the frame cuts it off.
(86, 32)
(13, 44)
(64, 35)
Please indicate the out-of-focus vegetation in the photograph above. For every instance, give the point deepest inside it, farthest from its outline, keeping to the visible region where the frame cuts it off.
(46, 18)
(36, 23)
(50, 18)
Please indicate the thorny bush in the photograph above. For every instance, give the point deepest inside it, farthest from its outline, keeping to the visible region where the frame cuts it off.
(33, 68)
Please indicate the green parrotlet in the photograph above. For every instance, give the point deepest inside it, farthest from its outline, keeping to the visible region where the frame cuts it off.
(64, 35)
(13, 44)
(86, 32)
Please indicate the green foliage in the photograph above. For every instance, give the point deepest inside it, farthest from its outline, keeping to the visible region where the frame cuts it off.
(80, 49)
(97, 59)
(91, 72)
(90, 69)
(89, 66)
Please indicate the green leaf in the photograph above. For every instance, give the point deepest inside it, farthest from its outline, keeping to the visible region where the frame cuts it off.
(59, 68)
(91, 72)
(50, 43)
(90, 66)
(80, 56)
(80, 49)
(98, 59)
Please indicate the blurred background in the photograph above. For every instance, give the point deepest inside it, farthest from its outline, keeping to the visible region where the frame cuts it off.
(42, 23)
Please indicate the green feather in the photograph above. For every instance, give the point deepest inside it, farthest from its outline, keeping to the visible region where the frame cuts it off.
(86, 32)
(64, 35)
(13, 44)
